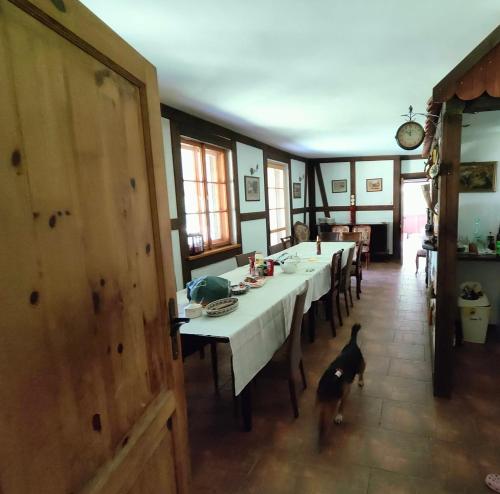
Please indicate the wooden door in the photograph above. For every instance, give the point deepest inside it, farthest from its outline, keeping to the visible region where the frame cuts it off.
(91, 399)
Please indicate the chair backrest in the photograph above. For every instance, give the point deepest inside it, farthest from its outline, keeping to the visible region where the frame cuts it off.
(346, 272)
(359, 251)
(274, 249)
(242, 259)
(366, 231)
(351, 236)
(336, 268)
(340, 228)
(300, 232)
(287, 242)
(329, 236)
(294, 350)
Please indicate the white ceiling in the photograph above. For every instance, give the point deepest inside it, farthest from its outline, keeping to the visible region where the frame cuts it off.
(314, 77)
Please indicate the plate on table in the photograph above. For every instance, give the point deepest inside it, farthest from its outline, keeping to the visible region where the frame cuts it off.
(239, 289)
(221, 307)
(254, 282)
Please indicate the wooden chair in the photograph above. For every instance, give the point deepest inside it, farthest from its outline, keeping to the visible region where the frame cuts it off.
(345, 281)
(357, 268)
(332, 298)
(274, 249)
(366, 231)
(287, 242)
(287, 361)
(329, 236)
(300, 232)
(351, 236)
(420, 253)
(242, 259)
(192, 343)
(340, 228)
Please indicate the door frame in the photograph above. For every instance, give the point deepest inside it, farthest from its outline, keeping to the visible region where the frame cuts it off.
(408, 178)
(74, 22)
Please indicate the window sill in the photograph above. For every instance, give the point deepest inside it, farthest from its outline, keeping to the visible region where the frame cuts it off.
(213, 252)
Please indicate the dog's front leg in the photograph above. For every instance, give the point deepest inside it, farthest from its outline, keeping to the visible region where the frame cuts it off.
(339, 416)
(361, 381)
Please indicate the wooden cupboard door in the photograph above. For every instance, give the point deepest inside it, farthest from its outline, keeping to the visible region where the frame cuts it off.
(91, 399)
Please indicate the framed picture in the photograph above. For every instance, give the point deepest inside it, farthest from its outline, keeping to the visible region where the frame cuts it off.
(339, 186)
(252, 188)
(478, 177)
(373, 184)
(297, 190)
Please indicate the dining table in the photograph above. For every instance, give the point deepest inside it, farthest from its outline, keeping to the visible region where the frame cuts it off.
(262, 321)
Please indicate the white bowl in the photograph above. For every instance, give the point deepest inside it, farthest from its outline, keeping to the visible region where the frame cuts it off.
(289, 266)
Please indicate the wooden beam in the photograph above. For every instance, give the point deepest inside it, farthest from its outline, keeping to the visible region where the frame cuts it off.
(322, 190)
(259, 215)
(311, 185)
(445, 88)
(352, 173)
(447, 246)
(382, 157)
(396, 212)
(411, 176)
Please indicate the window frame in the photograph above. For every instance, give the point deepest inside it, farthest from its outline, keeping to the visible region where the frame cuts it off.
(286, 198)
(210, 246)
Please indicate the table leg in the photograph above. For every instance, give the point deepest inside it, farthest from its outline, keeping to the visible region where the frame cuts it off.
(246, 407)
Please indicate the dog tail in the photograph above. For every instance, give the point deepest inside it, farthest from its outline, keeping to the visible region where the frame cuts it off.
(354, 332)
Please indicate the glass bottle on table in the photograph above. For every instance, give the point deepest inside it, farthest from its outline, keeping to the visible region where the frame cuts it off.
(318, 246)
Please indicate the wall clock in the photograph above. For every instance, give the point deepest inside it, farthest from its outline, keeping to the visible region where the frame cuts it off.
(410, 135)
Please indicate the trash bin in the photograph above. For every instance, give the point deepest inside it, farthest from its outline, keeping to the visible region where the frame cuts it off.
(474, 313)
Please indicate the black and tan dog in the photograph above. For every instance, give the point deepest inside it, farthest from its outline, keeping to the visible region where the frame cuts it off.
(335, 384)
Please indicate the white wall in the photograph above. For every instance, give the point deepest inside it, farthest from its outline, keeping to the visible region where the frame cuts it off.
(412, 166)
(172, 204)
(249, 157)
(336, 171)
(480, 142)
(298, 169)
(254, 236)
(215, 269)
(374, 169)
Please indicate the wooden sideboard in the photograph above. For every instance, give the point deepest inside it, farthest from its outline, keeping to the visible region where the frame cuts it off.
(378, 243)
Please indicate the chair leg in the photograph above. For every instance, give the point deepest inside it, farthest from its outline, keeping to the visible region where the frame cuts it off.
(330, 302)
(337, 300)
(293, 397)
(302, 373)
(350, 296)
(215, 366)
(346, 302)
(358, 286)
(416, 264)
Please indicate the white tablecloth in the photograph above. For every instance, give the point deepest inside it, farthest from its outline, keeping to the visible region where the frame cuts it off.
(262, 321)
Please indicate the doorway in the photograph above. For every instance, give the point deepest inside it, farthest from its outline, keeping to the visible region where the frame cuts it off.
(414, 218)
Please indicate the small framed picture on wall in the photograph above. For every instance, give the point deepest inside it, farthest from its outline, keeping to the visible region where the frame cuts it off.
(339, 186)
(297, 190)
(252, 188)
(373, 185)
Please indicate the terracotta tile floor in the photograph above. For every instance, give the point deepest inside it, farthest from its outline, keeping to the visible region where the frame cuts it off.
(396, 437)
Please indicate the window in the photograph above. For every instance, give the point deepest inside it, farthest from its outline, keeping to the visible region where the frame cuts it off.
(278, 201)
(206, 192)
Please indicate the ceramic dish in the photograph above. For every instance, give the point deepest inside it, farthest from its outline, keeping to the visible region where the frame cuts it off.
(221, 307)
(240, 289)
(257, 283)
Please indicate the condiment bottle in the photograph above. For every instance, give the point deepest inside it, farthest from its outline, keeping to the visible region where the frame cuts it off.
(318, 246)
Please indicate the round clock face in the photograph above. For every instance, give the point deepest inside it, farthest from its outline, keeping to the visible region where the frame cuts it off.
(410, 135)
